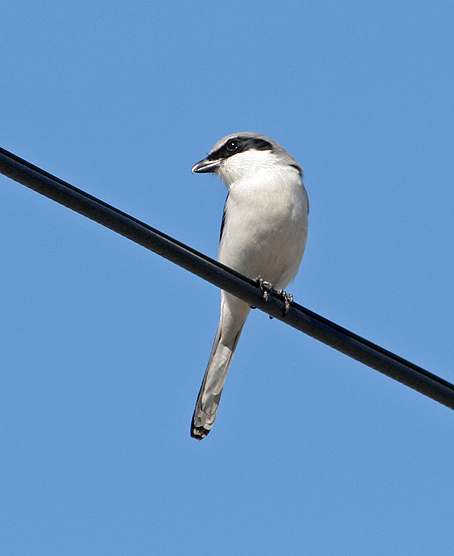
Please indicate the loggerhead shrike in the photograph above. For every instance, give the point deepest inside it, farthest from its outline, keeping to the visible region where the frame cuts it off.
(263, 236)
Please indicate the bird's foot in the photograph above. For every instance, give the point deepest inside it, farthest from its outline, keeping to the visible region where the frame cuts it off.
(287, 298)
(265, 287)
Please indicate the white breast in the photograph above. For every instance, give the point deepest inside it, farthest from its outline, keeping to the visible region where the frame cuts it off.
(265, 225)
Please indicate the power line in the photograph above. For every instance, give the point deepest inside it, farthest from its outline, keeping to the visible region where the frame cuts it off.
(299, 317)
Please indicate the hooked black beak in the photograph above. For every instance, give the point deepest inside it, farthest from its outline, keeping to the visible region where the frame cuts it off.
(205, 166)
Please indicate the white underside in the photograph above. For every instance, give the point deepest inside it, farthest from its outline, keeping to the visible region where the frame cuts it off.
(264, 234)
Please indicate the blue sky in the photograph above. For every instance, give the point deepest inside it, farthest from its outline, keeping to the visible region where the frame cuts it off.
(104, 344)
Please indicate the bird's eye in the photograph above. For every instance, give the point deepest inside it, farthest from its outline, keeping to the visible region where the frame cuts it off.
(232, 145)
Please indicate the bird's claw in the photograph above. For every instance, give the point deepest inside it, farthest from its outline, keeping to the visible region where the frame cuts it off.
(287, 298)
(265, 287)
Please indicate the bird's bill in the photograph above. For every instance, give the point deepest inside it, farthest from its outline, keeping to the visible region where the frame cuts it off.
(205, 166)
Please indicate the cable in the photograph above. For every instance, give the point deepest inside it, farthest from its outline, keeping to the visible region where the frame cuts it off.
(299, 317)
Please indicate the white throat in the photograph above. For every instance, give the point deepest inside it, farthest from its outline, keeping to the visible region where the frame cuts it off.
(249, 164)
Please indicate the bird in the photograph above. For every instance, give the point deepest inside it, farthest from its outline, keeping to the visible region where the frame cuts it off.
(263, 236)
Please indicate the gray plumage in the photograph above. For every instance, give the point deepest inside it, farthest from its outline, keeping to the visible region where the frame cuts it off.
(263, 234)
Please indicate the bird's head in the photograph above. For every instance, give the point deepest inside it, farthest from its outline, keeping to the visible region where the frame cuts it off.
(241, 155)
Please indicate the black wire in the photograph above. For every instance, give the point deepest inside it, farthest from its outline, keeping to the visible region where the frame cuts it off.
(300, 318)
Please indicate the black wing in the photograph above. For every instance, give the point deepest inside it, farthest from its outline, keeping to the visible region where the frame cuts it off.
(223, 219)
